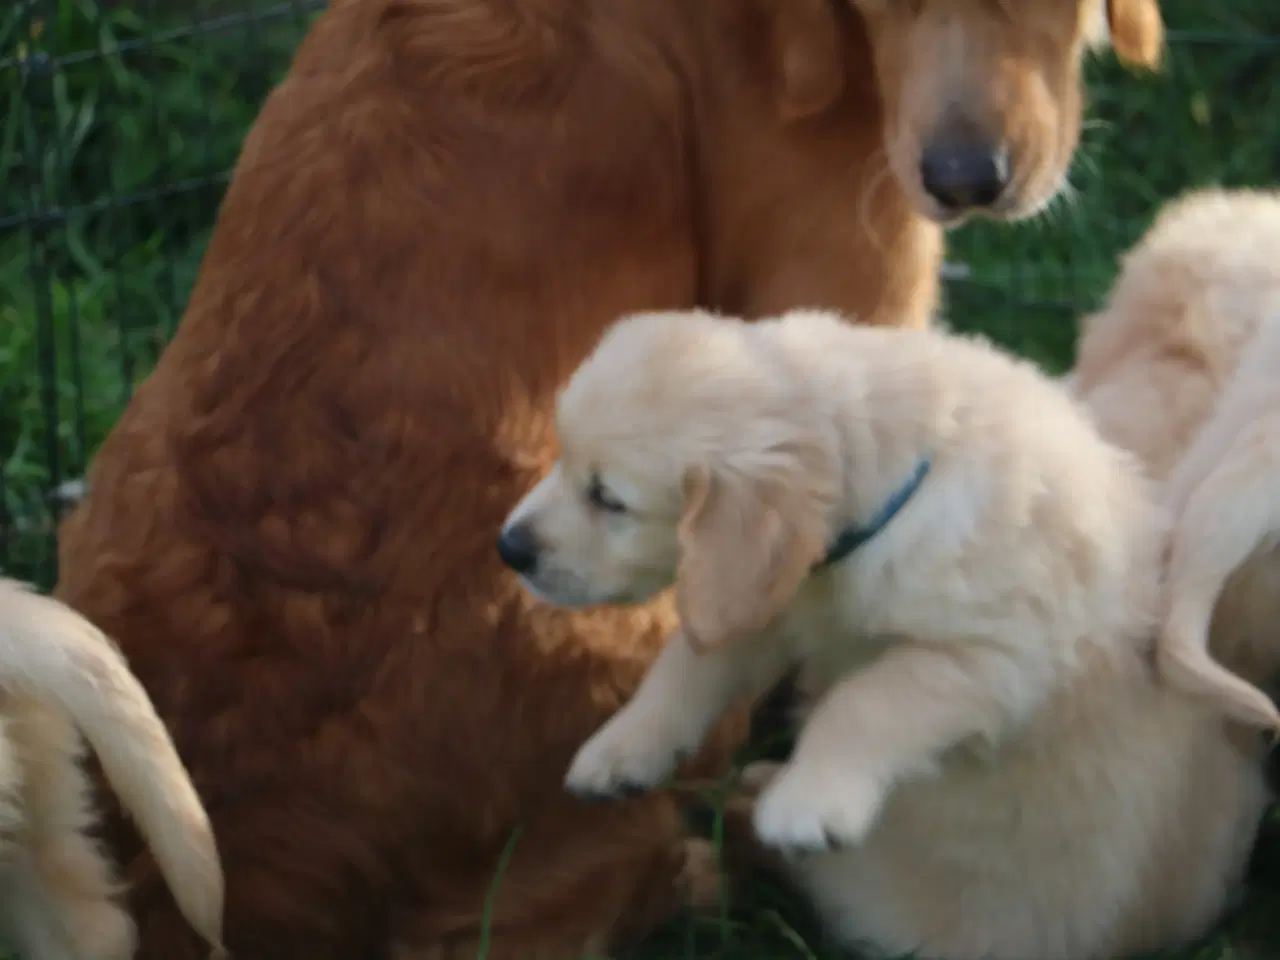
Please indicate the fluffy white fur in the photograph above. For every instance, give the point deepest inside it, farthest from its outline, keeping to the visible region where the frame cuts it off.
(1188, 305)
(57, 890)
(988, 770)
(1189, 297)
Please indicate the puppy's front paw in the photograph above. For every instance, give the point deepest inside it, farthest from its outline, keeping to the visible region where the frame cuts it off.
(622, 759)
(809, 809)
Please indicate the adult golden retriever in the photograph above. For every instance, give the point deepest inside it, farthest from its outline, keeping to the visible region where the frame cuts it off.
(967, 577)
(291, 530)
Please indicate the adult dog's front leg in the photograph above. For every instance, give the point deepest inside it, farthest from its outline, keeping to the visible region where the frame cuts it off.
(681, 696)
(881, 725)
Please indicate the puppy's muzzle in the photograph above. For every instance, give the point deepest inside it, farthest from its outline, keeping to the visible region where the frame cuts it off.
(518, 548)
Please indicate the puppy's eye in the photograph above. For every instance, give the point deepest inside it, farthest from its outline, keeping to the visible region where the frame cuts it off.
(601, 498)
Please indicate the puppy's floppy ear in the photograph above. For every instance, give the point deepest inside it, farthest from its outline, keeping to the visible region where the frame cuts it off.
(746, 545)
(805, 44)
(1137, 31)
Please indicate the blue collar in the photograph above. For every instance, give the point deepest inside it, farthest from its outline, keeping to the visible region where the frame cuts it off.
(851, 538)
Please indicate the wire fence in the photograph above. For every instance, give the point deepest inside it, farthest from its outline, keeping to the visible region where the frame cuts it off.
(122, 119)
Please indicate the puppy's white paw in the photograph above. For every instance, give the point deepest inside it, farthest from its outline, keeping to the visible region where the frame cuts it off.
(811, 809)
(624, 758)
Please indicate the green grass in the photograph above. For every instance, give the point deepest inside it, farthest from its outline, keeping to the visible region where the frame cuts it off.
(131, 141)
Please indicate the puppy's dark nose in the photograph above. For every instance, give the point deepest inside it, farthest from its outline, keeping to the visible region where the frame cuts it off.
(518, 548)
(964, 178)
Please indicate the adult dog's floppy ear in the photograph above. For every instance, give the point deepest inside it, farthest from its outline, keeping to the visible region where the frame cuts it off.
(746, 545)
(1137, 31)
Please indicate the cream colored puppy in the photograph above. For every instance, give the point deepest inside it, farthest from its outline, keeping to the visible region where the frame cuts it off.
(1225, 496)
(1152, 365)
(1189, 296)
(57, 890)
(967, 576)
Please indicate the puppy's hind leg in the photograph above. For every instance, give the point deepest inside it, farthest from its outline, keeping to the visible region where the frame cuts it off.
(886, 723)
(1226, 517)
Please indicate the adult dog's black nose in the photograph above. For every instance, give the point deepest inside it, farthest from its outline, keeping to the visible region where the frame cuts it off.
(518, 548)
(964, 178)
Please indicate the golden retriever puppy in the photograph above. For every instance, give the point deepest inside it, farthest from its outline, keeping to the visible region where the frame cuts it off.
(1152, 366)
(1225, 498)
(1190, 294)
(57, 890)
(967, 576)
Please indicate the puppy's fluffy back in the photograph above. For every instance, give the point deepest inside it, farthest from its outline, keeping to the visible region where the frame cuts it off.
(1189, 297)
(1033, 519)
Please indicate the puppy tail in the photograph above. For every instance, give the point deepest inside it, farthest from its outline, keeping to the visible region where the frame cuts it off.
(1233, 511)
(50, 651)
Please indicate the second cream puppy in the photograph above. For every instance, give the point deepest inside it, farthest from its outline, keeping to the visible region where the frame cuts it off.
(1188, 301)
(1177, 362)
(967, 576)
